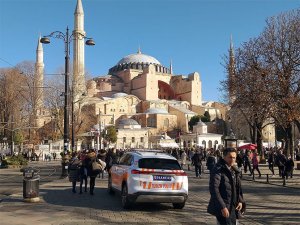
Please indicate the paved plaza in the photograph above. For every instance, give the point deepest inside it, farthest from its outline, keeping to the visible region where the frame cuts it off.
(266, 203)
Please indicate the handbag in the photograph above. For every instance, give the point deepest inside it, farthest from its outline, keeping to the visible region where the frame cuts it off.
(96, 167)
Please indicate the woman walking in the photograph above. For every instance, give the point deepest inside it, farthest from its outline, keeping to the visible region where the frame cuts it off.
(74, 170)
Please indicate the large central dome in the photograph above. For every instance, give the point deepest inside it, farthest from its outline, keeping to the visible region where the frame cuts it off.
(138, 61)
(138, 58)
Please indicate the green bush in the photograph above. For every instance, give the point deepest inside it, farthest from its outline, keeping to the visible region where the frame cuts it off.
(18, 160)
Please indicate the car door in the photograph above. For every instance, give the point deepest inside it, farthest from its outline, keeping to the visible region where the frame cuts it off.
(120, 171)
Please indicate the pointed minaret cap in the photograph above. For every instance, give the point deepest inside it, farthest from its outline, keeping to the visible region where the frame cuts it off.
(171, 67)
(231, 42)
(39, 45)
(139, 50)
(79, 8)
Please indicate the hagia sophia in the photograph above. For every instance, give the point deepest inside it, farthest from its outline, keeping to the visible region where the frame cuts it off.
(139, 95)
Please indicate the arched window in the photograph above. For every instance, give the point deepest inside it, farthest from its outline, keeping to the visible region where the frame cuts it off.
(204, 144)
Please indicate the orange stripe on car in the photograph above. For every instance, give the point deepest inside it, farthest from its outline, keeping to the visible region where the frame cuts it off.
(149, 185)
(144, 185)
(173, 185)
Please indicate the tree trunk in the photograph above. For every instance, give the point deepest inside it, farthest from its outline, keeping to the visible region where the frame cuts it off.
(253, 134)
(260, 143)
(289, 141)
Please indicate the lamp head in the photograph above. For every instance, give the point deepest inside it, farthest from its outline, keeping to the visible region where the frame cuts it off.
(90, 42)
(45, 40)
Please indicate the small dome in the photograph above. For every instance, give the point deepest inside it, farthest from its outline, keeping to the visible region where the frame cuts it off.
(156, 111)
(118, 95)
(138, 58)
(200, 123)
(128, 122)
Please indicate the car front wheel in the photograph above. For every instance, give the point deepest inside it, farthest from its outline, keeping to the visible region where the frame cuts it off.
(125, 199)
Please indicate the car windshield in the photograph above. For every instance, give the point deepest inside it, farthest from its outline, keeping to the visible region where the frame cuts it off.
(157, 163)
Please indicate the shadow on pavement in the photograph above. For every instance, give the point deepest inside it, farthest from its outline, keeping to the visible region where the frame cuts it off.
(100, 200)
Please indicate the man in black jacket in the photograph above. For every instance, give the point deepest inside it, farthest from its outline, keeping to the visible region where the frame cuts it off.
(226, 202)
(197, 162)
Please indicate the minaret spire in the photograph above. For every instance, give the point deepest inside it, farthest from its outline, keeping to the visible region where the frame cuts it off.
(171, 67)
(38, 82)
(139, 50)
(78, 52)
(79, 8)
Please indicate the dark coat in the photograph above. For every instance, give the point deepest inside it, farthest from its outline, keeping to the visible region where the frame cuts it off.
(197, 159)
(223, 188)
(210, 162)
(289, 165)
(111, 158)
(74, 169)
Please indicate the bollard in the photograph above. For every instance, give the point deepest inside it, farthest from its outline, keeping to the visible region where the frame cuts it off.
(267, 178)
(284, 181)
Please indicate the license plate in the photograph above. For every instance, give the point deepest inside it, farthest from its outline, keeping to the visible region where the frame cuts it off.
(161, 177)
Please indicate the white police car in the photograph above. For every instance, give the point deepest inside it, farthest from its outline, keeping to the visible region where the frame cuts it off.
(149, 176)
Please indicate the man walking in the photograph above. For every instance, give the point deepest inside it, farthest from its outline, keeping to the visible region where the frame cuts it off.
(226, 202)
(197, 162)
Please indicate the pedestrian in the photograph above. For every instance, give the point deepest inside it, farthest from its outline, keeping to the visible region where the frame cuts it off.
(280, 162)
(102, 156)
(211, 161)
(271, 161)
(246, 162)
(92, 174)
(183, 159)
(74, 170)
(111, 158)
(226, 202)
(289, 167)
(83, 171)
(255, 162)
(197, 162)
(239, 160)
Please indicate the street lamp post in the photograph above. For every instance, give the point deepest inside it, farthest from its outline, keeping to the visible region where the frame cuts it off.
(67, 39)
(231, 140)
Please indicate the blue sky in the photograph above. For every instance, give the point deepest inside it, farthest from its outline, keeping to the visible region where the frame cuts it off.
(195, 34)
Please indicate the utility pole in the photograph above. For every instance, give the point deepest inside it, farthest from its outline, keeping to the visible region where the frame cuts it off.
(100, 138)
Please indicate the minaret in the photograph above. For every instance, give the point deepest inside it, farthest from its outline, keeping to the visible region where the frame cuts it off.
(231, 72)
(78, 53)
(38, 81)
(171, 67)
